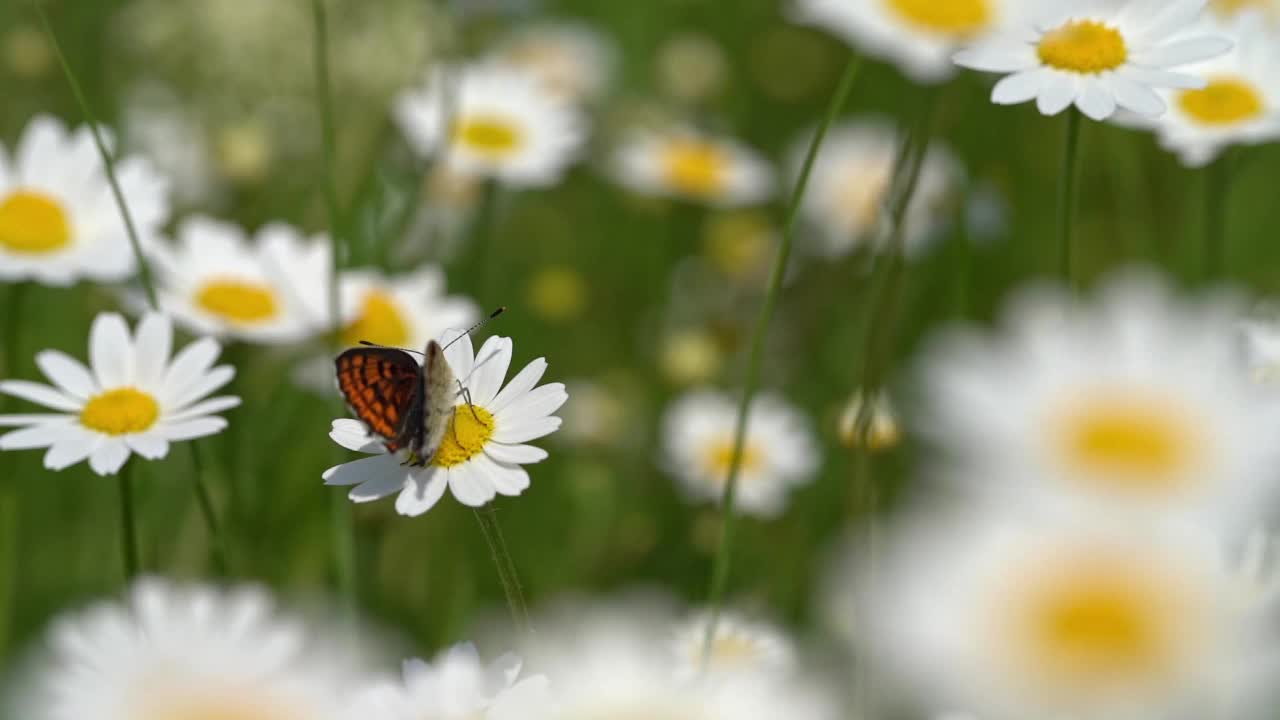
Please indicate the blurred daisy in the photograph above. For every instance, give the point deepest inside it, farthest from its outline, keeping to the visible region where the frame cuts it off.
(484, 447)
(455, 686)
(882, 432)
(919, 36)
(59, 221)
(779, 451)
(1259, 338)
(691, 67)
(1099, 57)
(157, 125)
(685, 164)
(404, 311)
(133, 399)
(1268, 9)
(182, 652)
(850, 185)
(216, 281)
(572, 60)
(505, 125)
(740, 645)
(1134, 402)
(1239, 106)
(596, 416)
(1257, 571)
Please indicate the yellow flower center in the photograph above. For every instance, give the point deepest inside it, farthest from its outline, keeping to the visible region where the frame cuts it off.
(1129, 442)
(32, 223)
(233, 703)
(120, 412)
(1086, 47)
(1225, 101)
(1229, 8)
(730, 651)
(695, 168)
(719, 457)
(380, 322)
(955, 18)
(490, 136)
(469, 431)
(237, 301)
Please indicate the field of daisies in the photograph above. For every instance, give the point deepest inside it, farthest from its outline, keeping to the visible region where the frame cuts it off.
(654, 360)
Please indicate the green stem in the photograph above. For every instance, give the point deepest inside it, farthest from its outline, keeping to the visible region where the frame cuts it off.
(205, 501)
(1217, 187)
(484, 237)
(1067, 189)
(488, 519)
(128, 531)
(14, 313)
(720, 569)
(324, 107)
(108, 164)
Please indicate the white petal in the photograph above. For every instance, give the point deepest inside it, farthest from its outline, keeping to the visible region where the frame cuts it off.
(153, 343)
(380, 482)
(40, 395)
(1094, 100)
(1184, 52)
(35, 419)
(1017, 88)
(490, 370)
(1171, 17)
(352, 435)
(524, 432)
(514, 454)
(190, 429)
(540, 402)
(460, 353)
(1056, 94)
(68, 373)
(110, 457)
(1163, 79)
(423, 493)
(111, 352)
(190, 364)
(72, 449)
(210, 382)
(149, 445)
(206, 407)
(522, 383)
(358, 471)
(997, 57)
(35, 437)
(1135, 96)
(509, 480)
(470, 487)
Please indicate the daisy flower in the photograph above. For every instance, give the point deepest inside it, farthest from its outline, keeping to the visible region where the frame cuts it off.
(740, 645)
(1268, 9)
(173, 651)
(1055, 616)
(686, 164)
(1100, 56)
(1239, 106)
(919, 36)
(59, 221)
(133, 398)
(505, 125)
(1135, 402)
(849, 187)
(216, 281)
(404, 311)
(484, 446)
(780, 450)
(455, 686)
(571, 59)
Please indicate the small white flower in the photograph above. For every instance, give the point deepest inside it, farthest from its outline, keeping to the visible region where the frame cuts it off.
(1099, 55)
(402, 311)
(1239, 106)
(268, 290)
(779, 451)
(182, 652)
(484, 446)
(505, 125)
(455, 686)
(849, 187)
(740, 645)
(59, 222)
(571, 59)
(133, 399)
(686, 164)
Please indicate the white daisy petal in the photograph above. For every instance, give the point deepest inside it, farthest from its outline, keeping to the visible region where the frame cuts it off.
(515, 454)
(210, 382)
(522, 383)
(111, 351)
(35, 437)
(459, 352)
(490, 370)
(1010, 57)
(154, 344)
(510, 480)
(1094, 100)
(149, 446)
(191, 429)
(539, 402)
(352, 435)
(1017, 88)
(71, 450)
(192, 362)
(1056, 94)
(422, 494)
(524, 432)
(1135, 96)
(35, 419)
(40, 395)
(469, 486)
(67, 373)
(206, 407)
(109, 457)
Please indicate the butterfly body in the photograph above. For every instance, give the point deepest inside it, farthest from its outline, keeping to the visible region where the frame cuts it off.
(406, 404)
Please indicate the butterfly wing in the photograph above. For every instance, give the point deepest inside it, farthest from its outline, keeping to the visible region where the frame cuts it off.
(383, 387)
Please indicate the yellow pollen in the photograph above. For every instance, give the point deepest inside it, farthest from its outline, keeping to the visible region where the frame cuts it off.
(493, 137)
(719, 457)
(32, 223)
(120, 412)
(380, 322)
(1085, 47)
(469, 431)
(237, 301)
(1225, 101)
(1129, 442)
(954, 18)
(695, 168)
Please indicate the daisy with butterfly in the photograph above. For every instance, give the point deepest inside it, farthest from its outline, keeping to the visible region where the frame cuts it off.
(447, 423)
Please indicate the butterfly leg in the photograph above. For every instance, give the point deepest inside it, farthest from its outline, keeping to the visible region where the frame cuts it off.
(466, 395)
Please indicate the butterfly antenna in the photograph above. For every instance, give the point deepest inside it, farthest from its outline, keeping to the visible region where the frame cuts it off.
(366, 343)
(478, 325)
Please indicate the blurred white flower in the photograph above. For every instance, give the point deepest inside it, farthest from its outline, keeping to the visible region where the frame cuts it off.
(59, 221)
(1239, 106)
(779, 451)
(1269, 10)
(1257, 571)
(133, 399)
(404, 311)
(686, 164)
(484, 446)
(596, 416)
(1259, 335)
(883, 430)
(571, 59)
(157, 126)
(183, 652)
(1052, 616)
(1136, 402)
(740, 645)
(456, 685)
(919, 36)
(691, 67)
(849, 188)
(217, 281)
(1099, 56)
(493, 121)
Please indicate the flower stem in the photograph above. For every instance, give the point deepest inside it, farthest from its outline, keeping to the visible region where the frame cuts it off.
(720, 569)
(205, 501)
(488, 519)
(1067, 188)
(324, 108)
(108, 164)
(1217, 188)
(14, 313)
(484, 237)
(128, 531)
